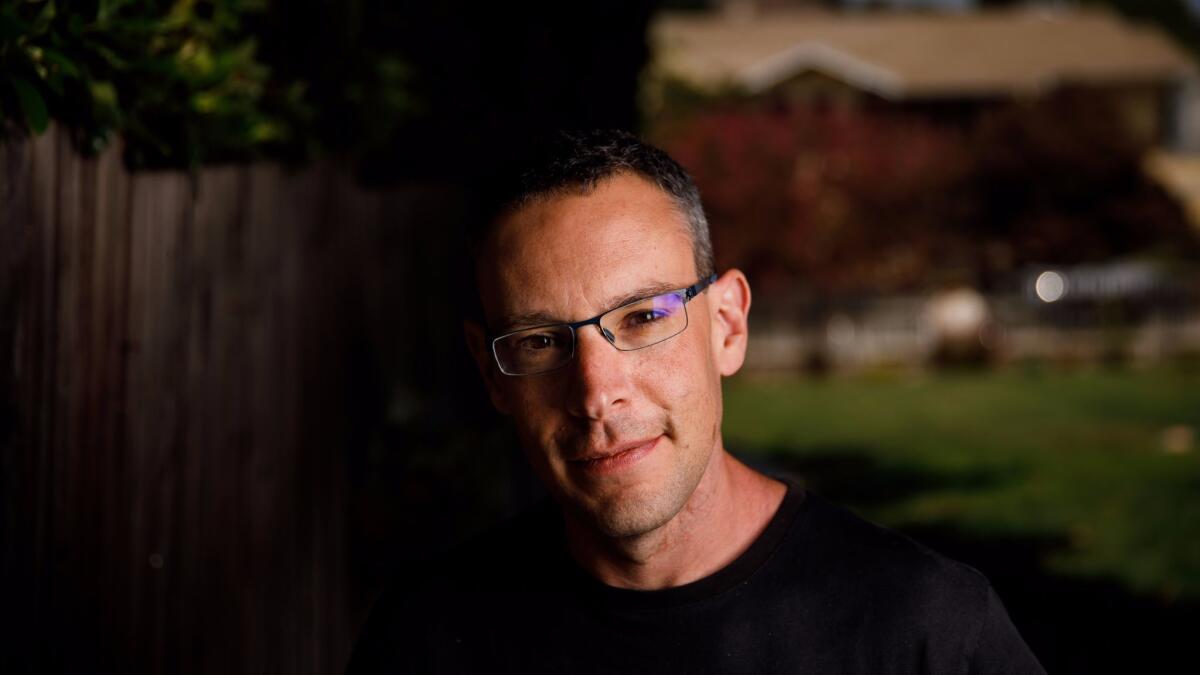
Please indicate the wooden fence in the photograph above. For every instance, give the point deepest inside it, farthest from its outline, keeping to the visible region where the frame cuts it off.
(184, 361)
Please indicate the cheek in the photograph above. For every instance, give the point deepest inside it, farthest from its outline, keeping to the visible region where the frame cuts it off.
(682, 380)
(536, 416)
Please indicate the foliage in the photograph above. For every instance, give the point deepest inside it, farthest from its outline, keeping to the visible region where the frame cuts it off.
(851, 199)
(823, 196)
(180, 81)
(183, 82)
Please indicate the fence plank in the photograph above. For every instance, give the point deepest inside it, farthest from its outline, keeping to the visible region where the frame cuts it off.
(18, 470)
(190, 374)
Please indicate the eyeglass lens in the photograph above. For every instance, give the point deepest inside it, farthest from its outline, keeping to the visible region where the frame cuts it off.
(634, 326)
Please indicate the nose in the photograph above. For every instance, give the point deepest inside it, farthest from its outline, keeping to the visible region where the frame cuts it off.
(599, 378)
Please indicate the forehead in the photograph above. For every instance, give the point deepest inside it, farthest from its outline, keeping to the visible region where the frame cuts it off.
(566, 257)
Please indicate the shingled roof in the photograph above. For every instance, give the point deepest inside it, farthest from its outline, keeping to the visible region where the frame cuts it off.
(918, 55)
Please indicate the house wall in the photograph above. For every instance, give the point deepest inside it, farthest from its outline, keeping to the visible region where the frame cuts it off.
(1183, 115)
(1143, 108)
(813, 88)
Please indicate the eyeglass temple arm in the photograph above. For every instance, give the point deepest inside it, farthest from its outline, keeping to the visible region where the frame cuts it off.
(688, 293)
(698, 287)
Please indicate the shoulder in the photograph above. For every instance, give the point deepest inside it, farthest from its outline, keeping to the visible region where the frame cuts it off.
(894, 584)
(902, 597)
(843, 544)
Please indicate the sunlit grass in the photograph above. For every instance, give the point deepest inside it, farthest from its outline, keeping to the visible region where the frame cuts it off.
(1077, 456)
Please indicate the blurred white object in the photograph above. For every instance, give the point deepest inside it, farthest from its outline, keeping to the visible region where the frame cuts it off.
(1050, 286)
(957, 315)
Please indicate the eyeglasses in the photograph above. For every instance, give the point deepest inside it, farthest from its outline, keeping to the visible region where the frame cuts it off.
(631, 326)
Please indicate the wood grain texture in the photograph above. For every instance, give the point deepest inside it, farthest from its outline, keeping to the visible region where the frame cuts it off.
(175, 421)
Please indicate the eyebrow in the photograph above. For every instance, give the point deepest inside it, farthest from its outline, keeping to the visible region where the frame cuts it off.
(523, 320)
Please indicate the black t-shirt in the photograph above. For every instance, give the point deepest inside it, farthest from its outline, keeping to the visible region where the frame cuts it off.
(820, 591)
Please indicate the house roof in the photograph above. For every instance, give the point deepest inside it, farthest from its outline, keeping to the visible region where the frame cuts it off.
(1179, 174)
(918, 55)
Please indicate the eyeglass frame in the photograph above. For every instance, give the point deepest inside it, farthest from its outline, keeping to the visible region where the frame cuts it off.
(689, 294)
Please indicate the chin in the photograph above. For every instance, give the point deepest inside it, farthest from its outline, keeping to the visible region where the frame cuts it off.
(637, 511)
(631, 519)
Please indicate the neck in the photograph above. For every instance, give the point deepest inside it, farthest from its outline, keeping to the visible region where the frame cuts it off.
(728, 510)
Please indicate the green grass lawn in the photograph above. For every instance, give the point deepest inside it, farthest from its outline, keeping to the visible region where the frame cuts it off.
(1072, 457)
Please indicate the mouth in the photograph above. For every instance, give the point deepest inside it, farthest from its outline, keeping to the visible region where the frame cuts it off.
(616, 458)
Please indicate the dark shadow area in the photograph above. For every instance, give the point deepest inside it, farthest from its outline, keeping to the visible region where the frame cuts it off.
(484, 78)
(1074, 625)
(853, 476)
(272, 414)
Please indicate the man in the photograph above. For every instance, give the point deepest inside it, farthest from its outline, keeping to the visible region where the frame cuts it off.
(604, 335)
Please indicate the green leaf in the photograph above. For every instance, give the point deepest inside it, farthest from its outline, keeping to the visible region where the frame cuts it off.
(65, 65)
(32, 104)
(206, 101)
(109, 8)
(75, 24)
(10, 26)
(103, 93)
(114, 61)
(43, 19)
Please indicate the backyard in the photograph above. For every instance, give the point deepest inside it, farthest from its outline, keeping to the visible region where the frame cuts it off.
(1076, 491)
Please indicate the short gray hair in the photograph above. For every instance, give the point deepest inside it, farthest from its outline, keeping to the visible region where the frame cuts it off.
(577, 161)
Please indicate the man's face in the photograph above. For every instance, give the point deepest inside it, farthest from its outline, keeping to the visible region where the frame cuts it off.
(620, 438)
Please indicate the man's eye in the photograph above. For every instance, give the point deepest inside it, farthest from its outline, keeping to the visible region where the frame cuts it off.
(538, 342)
(644, 317)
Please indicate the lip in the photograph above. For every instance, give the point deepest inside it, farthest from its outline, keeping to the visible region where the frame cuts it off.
(617, 458)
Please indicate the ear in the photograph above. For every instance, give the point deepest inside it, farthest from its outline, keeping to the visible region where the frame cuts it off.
(730, 302)
(482, 353)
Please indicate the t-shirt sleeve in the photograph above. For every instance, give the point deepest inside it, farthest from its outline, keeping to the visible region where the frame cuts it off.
(999, 647)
